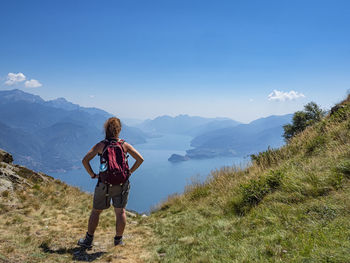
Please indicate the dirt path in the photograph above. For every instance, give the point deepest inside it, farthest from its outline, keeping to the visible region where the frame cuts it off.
(135, 237)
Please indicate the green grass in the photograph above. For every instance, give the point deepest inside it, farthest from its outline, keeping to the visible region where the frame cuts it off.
(291, 205)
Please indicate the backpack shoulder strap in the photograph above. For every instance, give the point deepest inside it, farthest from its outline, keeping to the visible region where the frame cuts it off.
(106, 142)
(121, 141)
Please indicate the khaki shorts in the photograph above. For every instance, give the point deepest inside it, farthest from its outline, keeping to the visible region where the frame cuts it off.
(118, 193)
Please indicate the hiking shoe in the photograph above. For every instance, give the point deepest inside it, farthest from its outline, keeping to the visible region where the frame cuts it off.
(86, 242)
(118, 241)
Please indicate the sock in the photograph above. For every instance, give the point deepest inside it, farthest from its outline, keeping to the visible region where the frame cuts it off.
(89, 236)
(118, 237)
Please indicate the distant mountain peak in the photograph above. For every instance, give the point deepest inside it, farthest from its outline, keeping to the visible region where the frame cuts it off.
(20, 95)
(62, 103)
(17, 95)
(61, 99)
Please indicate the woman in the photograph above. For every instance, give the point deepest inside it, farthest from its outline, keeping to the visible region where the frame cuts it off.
(104, 192)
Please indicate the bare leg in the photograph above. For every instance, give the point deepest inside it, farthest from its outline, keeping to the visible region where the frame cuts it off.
(121, 221)
(93, 221)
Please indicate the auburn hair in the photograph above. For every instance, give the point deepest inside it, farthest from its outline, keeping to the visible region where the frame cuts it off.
(112, 127)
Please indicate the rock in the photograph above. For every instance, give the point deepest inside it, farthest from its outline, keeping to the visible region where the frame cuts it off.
(178, 158)
(5, 157)
(5, 185)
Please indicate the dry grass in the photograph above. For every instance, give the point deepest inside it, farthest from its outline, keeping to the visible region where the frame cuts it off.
(42, 223)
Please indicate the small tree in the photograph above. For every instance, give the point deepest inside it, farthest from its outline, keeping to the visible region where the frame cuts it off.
(311, 114)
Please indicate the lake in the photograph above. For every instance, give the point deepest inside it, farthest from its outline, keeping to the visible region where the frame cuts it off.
(157, 178)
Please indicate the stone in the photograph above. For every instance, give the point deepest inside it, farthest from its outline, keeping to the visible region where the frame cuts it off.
(5, 157)
(5, 185)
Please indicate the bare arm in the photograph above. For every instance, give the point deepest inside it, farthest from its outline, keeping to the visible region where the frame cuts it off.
(89, 156)
(136, 155)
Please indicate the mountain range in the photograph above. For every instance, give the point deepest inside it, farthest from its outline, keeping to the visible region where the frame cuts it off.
(238, 140)
(52, 135)
(185, 124)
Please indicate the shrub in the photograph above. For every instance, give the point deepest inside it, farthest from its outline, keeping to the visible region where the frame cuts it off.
(302, 119)
(339, 114)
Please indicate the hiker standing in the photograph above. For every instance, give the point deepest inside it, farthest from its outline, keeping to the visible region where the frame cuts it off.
(113, 179)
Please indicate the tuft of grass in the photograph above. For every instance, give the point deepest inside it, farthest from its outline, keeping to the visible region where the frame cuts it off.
(36, 187)
(344, 168)
(253, 192)
(266, 158)
(28, 174)
(315, 143)
(5, 194)
(198, 191)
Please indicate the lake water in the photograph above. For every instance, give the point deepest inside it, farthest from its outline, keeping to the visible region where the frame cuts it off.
(157, 178)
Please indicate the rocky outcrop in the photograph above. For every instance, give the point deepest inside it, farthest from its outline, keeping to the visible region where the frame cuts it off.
(5, 157)
(15, 176)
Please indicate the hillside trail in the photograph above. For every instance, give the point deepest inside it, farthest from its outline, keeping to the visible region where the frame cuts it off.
(135, 237)
(41, 220)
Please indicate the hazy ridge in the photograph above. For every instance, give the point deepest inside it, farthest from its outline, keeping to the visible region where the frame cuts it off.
(52, 135)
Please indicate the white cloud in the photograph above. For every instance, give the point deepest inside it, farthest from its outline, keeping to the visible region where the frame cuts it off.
(13, 78)
(283, 96)
(33, 83)
(92, 96)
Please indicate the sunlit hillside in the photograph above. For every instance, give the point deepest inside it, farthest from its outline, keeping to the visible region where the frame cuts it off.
(291, 205)
(41, 220)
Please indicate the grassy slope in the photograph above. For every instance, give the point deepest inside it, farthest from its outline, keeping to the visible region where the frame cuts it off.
(43, 218)
(291, 205)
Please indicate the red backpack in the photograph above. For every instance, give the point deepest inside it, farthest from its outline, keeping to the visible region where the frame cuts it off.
(114, 168)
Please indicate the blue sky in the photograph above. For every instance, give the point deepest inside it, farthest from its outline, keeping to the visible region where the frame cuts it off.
(142, 59)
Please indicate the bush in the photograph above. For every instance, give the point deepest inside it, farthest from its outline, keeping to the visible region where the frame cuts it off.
(302, 119)
(339, 113)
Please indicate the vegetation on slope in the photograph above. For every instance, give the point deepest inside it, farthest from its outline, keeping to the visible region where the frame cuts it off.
(41, 220)
(290, 205)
